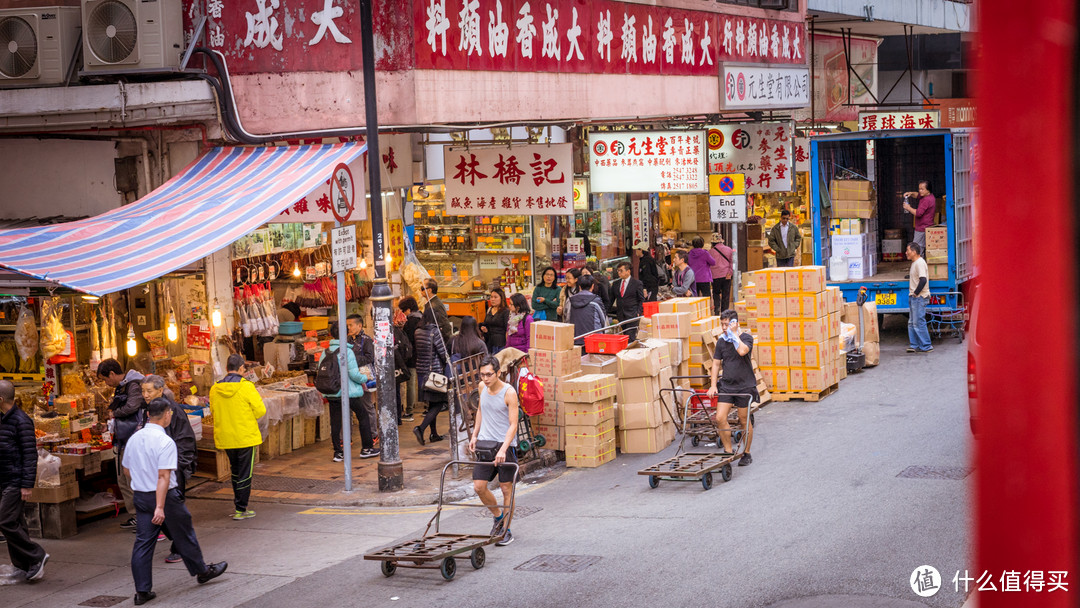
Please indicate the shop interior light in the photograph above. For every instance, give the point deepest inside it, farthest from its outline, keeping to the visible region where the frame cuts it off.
(296, 270)
(215, 317)
(388, 258)
(91, 298)
(363, 263)
(171, 331)
(132, 347)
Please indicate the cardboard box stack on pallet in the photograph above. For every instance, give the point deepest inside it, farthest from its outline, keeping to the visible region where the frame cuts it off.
(937, 252)
(644, 421)
(588, 408)
(555, 359)
(797, 323)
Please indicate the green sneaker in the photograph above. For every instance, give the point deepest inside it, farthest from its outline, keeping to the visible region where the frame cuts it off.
(243, 515)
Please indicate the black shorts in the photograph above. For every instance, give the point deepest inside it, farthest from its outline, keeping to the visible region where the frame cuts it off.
(740, 401)
(486, 471)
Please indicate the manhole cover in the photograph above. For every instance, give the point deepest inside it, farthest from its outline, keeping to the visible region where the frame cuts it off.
(559, 563)
(519, 512)
(921, 472)
(431, 451)
(104, 601)
(296, 484)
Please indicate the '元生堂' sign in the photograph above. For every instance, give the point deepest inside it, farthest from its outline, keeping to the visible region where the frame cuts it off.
(647, 161)
(534, 179)
(760, 150)
(764, 86)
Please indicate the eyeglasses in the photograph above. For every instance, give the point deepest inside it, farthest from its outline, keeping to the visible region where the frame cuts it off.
(487, 374)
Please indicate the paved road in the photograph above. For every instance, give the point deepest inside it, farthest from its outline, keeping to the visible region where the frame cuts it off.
(819, 519)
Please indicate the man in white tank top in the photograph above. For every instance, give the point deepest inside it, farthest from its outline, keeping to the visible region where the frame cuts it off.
(496, 421)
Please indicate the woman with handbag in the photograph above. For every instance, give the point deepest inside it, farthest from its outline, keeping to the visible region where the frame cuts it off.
(431, 362)
(568, 290)
(545, 297)
(492, 440)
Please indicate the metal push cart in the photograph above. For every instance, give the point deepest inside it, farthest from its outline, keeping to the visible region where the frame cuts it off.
(944, 320)
(441, 550)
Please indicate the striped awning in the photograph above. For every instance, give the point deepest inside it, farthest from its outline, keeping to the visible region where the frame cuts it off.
(219, 198)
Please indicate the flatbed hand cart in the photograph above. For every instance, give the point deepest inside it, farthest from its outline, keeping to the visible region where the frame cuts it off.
(943, 319)
(441, 550)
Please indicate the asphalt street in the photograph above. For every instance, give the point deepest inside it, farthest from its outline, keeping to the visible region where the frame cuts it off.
(820, 519)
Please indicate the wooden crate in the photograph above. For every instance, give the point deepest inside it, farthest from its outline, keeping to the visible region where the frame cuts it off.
(271, 446)
(324, 424)
(311, 425)
(297, 425)
(51, 520)
(285, 437)
(212, 464)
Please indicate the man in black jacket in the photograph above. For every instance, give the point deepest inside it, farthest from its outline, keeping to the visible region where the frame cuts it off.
(586, 310)
(128, 411)
(647, 271)
(18, 473)
(180, 431)
(627, 299)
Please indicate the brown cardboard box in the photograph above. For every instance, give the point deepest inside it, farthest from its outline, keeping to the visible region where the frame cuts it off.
(771, 354)
(851, 189)
(702, 329)
(552, 415)
(672, 325)
(804, 279)
(755, 257)
(675, 350)
(640, 415)
(834, 299)
(663, 345)
(58, 494)
(589, 388)
(873, 353)
(842, 208)
(669, 432)
(589, 436)
(772, 330)
(771, 305)
(935, 257)
(555, 363)
(599, 364)
(771, 280)
(937, 238)
(643, 441)
(550, 335)
(553, 436)
(551, 385)
(807, 354)
(806, 305)
(777, 378)
(664, 379)
(640, 361)
(636, 390)
(807, 330)
(588, 414)
(812, 379)
(589, 457)
(697, 306)
(938, 272)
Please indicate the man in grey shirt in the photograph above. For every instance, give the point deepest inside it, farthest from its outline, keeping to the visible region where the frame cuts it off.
(496, 422)
(682, 283)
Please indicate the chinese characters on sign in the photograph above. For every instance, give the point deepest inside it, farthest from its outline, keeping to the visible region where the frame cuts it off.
(647, 161)
(317, 206)
(396, 243)
(801, 154)
(535, 179)
(639, 221)
(727, 198)
(764, 87)
(581, 195)
(885, 121)
(343, 248)
(1030, 581)
(762, 151)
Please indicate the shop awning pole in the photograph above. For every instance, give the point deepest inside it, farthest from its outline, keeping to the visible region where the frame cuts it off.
(343, 363)
(391, 474)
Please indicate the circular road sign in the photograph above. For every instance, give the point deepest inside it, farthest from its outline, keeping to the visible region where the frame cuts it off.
(342, 193)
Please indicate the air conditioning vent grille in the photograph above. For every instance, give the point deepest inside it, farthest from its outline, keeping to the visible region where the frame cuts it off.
(112, 31)
(18, 47)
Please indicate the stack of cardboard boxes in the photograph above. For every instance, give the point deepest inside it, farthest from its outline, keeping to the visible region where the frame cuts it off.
(587, 405)
(554, 359)
(796, 320)
(937, 252)
(871, 334)
(856, 241)
(644, 423)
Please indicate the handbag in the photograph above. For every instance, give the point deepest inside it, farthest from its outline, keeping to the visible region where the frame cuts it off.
(437, 383)
(486, 450)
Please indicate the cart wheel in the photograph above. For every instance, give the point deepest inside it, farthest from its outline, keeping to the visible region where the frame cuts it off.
(524, 446)
(388, 568)
(654, 481)
(706, 481)
(540, 441)
(478, 558)
(736, 437)
(725, 472)
(694, 441)
(448, 568)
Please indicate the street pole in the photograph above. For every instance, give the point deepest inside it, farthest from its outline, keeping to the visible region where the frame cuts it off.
(391, 474)
(343, 365)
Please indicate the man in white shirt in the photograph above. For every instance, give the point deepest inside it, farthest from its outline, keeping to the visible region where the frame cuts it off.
(150, 463)
(918, 298)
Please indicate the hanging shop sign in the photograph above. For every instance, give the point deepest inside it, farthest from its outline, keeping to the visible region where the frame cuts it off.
(574, 246)
(533, 179)
(395, 152)
(838, 92)
(874, 121)
(343, 248)
(727, 197)
(761, 87)
(801, 154)
(581, 195)
(763, 151)
(316, 206)
(956, 113)
(647, 161)
(639, 222)
(395, 243)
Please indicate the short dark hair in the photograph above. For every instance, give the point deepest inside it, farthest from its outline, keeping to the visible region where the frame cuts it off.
(592, 266)
(575, 272)
(784, 212)
(927, 182)
(917, 248)
(698, 242)
(157, 407)
(234, 362)
(728, 315)
(333, 329)
(408, 304)
(355, 317)
(585, 282)
(490, 360)
(680, 254)
(432, 286)
(622, 265)
(109, 367)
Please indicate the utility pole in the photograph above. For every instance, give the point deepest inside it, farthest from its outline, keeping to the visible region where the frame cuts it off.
(391, 473)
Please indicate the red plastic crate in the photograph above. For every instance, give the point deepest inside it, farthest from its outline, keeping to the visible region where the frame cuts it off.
(701, 400)
(651, 308)
(606, 344)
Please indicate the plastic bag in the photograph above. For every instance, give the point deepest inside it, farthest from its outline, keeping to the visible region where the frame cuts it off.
(848, 334)
(48, 470)
(414, 274)
(53, 336)
(26, 334)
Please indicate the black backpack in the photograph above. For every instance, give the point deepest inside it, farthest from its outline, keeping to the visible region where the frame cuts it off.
(403, 345)
(328, 376)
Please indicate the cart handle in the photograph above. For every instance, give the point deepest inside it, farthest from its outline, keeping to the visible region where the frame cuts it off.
(437, 519)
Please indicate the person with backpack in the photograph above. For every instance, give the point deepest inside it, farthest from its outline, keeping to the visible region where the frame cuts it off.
(413, 318)
(721, 273)
(236, 407)
(363, 346)
(586, 310)
(328, 382)
(432, 358)
(128, 412)
(648, 271)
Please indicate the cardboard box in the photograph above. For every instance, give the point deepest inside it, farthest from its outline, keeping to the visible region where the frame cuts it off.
(664, 379)
(555, 362)
(806, 330)
(675, 350)
(742, 310)
(772, 355)
(812, 379)
(853, 208)
(643, 441)
(938, 272)
(641, 415)
(850, 246)
(698, 306)
(551, 385)
(937, 238)
(771, 305)
(588, 414)
(755, 257)
(673, 325)
(804, 279)
(834, 299)
(589, 436)
(599, 364)
(591, 457)
(58, 494)
(636, 390)
(935, 257)
(553, 436)
(588, 388)
(772, 330)
(776, 378)
(550, 335)
(872, 350)
(806, 305)
(807, 354)
(833, 321)
(669, 432)
(640, 361)
(770, 280)
(552, 414)
(851, 189)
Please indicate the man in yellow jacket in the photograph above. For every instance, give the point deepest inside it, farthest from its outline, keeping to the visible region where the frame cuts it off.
(236, 408)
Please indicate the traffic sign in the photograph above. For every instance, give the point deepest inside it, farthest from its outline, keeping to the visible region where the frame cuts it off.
(727, 209)
(343, 248)
(727, 184)
(342, 193)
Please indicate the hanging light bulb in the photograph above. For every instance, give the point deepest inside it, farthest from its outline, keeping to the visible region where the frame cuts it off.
(296, 270)
(388, 258)
(215, 317)
(363, 263)
(132, 347)
(171, 331)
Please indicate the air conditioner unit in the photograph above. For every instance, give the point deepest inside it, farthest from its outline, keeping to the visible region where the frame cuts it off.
(37, 45)
(132, 35)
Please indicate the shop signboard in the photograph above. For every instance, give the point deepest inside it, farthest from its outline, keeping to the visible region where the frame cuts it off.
(639, 222)
(647, 161)
(395, 243)
(956, 113)
(764, 87)
(801, 154)
(532, 179)
(727, 198)
(581, 195)
(762, 151)
(573, 246)
(874, 121)
(395, 151)
(343, 248)
(837, 92)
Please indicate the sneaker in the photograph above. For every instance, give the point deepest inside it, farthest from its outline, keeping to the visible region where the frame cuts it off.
(161, 537)
(143, 597)
(911, 349)
(927, 350)
(37, 570)
(338, 457)
(212, 571)
(243, 515)
(495, 527)
(506, 539)
(745, 460)
(408, 419)
(419, 435)
(173, 558)
(369, 453)
(129, 524)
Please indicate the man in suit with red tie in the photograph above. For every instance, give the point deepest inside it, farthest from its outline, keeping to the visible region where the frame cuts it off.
(627, 299)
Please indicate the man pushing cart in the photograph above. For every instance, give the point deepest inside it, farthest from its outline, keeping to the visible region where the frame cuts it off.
(733, 351)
